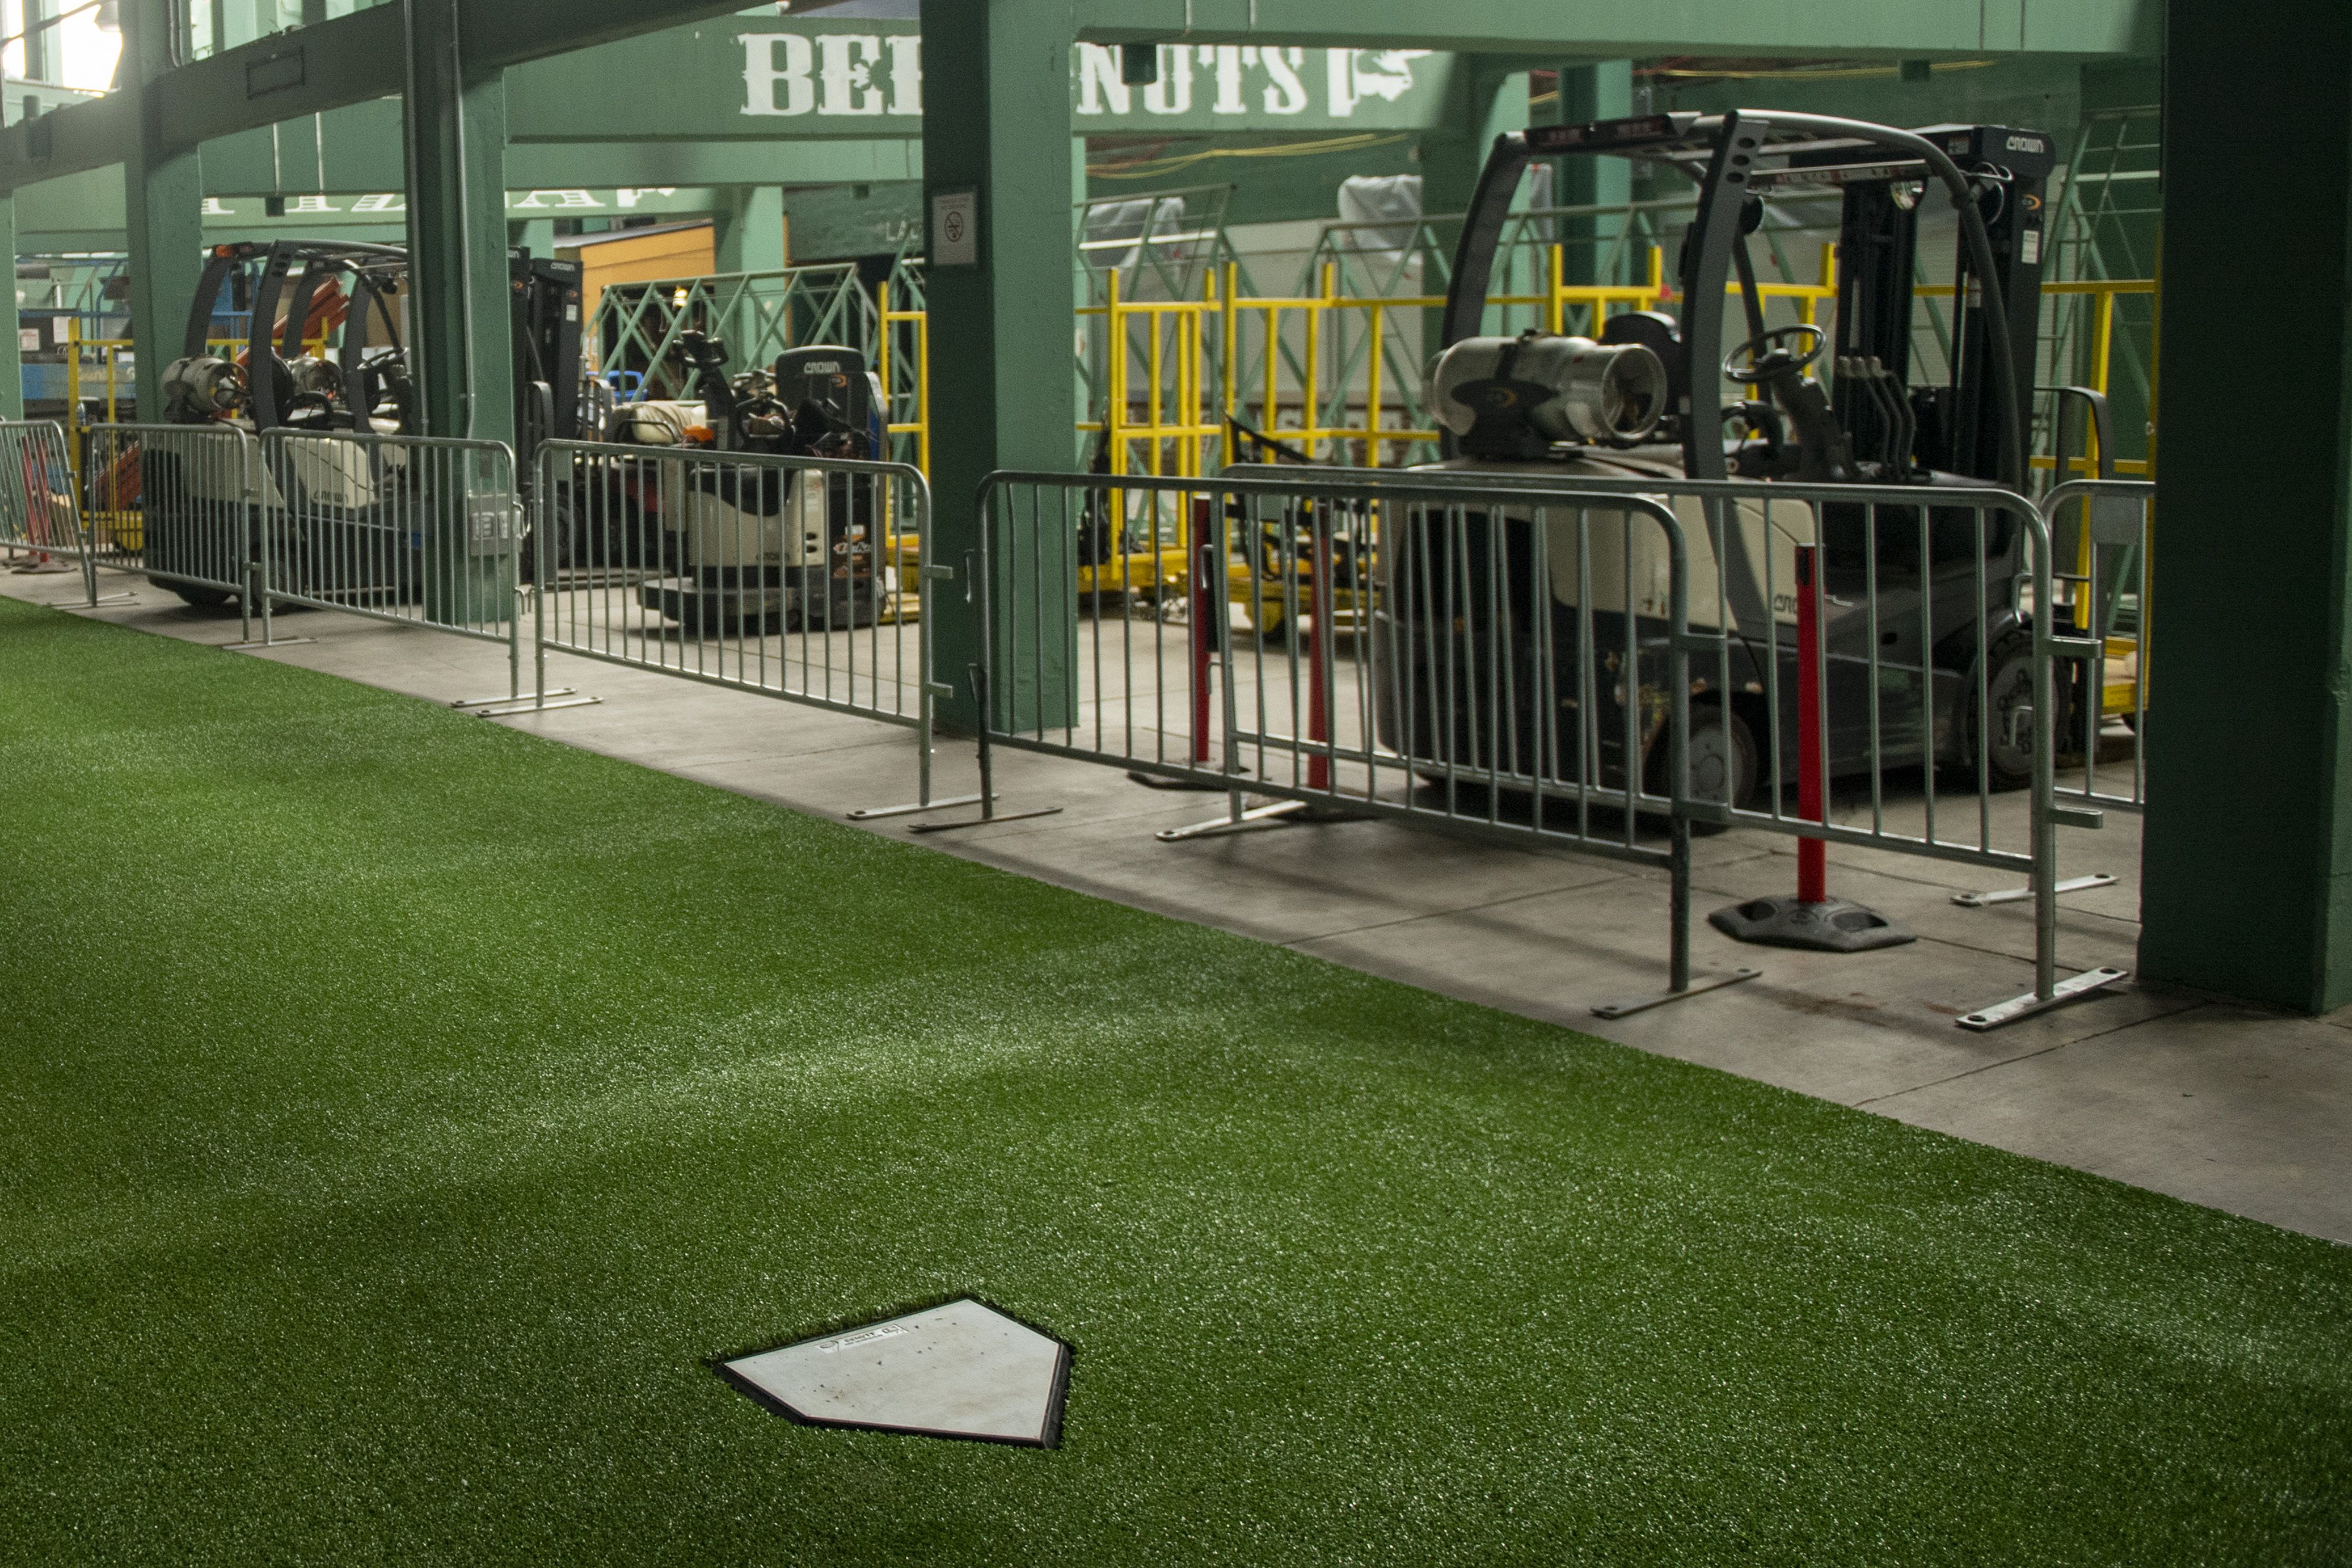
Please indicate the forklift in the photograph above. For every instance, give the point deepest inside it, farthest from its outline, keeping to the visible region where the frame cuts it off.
(288, 299)
(1647, 400)
(735, 547)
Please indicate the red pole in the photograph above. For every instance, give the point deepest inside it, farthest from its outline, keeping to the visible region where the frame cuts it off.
(1812, 862)
(1318, 696)
(1205, 635)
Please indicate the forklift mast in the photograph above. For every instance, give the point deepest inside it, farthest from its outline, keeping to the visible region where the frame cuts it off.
(546, 294)
(1994, 177)
(279, 282)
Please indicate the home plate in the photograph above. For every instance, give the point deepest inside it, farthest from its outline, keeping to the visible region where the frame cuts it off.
(959, 1371)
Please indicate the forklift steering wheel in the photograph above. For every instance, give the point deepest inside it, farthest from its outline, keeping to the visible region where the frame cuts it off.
(1765, 346)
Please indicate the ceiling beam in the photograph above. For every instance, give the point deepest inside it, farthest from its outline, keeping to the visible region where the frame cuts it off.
(1610, 29)
(350, 60)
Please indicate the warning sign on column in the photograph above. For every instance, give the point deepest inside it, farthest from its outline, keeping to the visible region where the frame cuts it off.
(955, 229)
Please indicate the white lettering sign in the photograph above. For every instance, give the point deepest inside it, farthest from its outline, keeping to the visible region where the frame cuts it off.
(845, 75)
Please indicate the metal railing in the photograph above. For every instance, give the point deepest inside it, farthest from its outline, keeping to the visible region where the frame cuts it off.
(418, 530)
(802, 578)
(2109, 525)
(1546, 659)
(1357, 710)
(175, 504)
(40, 517)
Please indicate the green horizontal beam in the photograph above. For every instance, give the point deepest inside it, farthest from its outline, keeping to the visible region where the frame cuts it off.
(1610, 29)
(350, 60)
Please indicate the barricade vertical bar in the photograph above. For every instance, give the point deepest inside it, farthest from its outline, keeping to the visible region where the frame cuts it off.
(248, 555)
(1231, 751)
(1320, 649)
(1204, 649)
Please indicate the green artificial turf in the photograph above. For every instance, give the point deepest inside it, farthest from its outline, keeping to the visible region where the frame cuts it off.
(397, 1113)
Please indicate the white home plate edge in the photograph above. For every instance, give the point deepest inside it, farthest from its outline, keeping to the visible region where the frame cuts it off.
(963, 1370)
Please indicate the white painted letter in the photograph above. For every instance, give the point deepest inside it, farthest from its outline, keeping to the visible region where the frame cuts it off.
(1172, 93)
(762, 74)
(1286, 94)
(384, 202)
(907, 74)
(1098, 82)
(1342, 73)
(847, 74)
(1228, 60)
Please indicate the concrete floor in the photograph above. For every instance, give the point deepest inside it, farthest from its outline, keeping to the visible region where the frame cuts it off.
(2209, 1101)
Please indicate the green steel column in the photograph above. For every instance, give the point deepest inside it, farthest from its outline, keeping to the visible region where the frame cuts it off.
(1603, 90)
(2248, 864)
(460, 322)
(748, 229)
(163, 200)
(748, 236)
(997, 127)
(11, 350)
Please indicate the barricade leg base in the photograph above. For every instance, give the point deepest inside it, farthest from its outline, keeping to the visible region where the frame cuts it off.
(1161, 780)
(1834, 925)
(869, 813)
(102, 601)
(509, 708)
(273, 642)
(988, 821)
(2026, 1007)
(2018, 895)
(526, 697)
(1274, 814)
(1699, 986)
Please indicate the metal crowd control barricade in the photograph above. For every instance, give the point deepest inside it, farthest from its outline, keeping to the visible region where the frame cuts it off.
(2110, 522)
(1546, 659)
(1358, 646)
(802, 578)
(1903, 566)
(174, 504)
(416, 530)
(40, 516)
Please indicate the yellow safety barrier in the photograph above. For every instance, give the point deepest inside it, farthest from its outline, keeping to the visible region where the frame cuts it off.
(2104, 291)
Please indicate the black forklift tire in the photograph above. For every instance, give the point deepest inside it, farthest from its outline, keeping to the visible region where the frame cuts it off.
(1722, 750)
(2008, 686)
(199, 598)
